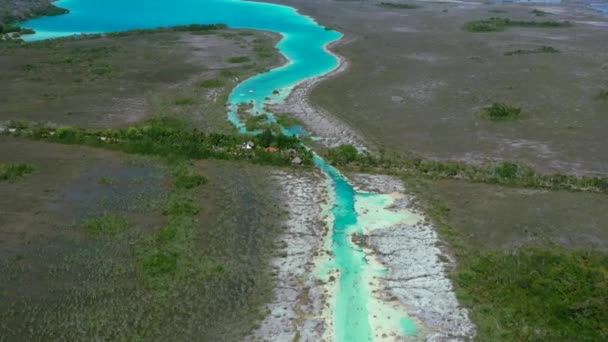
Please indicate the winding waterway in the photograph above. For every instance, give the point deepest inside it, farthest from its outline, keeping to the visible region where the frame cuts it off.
(357, 313)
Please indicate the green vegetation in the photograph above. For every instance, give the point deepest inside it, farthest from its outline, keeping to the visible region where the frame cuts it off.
(504, 173)
(399, 5)
(170, 257)
(51, 10)
(211, 83)
(194, 28)
(602, 96)
(495, 24)
(541, 292)
(184, 101)
(542, 49)
(107, 225)
(12, 172)
(185, 178)
(536, 294)
(240, 59)
(500, 112)
(11, 13)
(105, 180)
(287, 120)
(263, 50)
(179, 28)
(256, 122)
(170, 137)
(539, 13)
(342, 154)
(175, 276)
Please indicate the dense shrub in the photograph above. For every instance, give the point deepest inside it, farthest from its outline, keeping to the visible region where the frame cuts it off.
(109, 225)
(542, 49)
(534, 294)
(495, 24)
(603, 95)
(287, 120)
(256, 122)
(240, 59)
(500, 112)
(211, 83)
(503, 173)
(342, 154)
(11, 172)
(172, 138)
(398, 5)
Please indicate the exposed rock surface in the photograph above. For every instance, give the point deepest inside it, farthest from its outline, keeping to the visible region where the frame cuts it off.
(417, 276)
(298, 300)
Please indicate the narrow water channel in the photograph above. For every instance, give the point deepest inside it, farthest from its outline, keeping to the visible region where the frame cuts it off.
(358, 315)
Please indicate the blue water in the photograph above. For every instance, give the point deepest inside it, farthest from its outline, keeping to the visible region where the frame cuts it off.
(303, 43)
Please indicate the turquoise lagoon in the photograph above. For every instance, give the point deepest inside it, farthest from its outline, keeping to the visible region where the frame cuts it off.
(304, 45)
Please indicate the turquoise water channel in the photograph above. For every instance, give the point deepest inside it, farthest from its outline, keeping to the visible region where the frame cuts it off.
(304, 45)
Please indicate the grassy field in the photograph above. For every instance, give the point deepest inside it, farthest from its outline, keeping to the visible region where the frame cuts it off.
(134, 241)
(126, 247)
(531, 264)
(416, 83)
(182, 74)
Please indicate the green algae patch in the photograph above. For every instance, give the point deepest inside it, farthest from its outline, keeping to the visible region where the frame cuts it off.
(12, 172)
(536, 294)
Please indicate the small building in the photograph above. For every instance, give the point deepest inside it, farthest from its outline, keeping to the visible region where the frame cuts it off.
(296, 161)
(271, 149)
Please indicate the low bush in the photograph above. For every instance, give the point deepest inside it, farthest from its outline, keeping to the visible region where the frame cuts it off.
(539, 13)
(500, 112)
(184, 101)
(50, 10)
(256, 122)
(542, 49)
(108, 225)
(602, 95)
(503, 173)
(398, 5)
(240, 59)
(12, 172)
(172, 138)
(342, 154)
(287, 120)
(495, 24)
(211, 83)
(536, 294)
